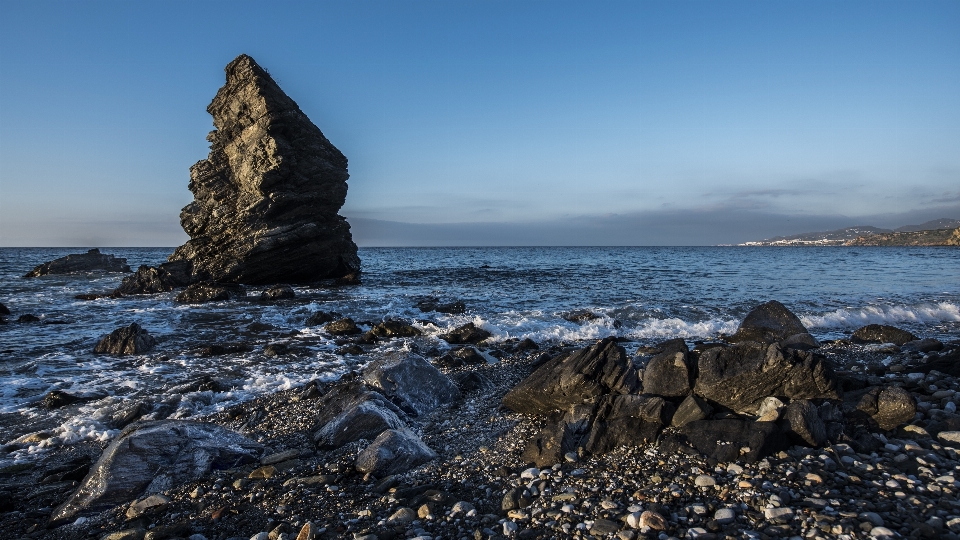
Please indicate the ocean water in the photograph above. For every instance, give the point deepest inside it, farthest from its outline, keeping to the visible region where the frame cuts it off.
(645, 294)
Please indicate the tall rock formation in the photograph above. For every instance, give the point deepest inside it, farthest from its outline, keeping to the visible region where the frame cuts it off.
(266, 198)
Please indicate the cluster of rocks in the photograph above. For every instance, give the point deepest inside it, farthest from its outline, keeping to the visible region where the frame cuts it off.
(90, 262)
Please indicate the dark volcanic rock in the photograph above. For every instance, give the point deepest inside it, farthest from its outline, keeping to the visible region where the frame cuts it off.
(266, 198)
(322, 317)
(153, 280)
(556, 440)
(4, 310)
(668, 374)
(580, 316)
(768, 323)
(691, 409)
(389, 329)
(210, 291)
(882, 333)
(741, 376)
(468, 381)
(411, 382)
(91, 261)
(126, 340)
(467, 333)
(278, 292)
(890, 407)
(154, 457)
(28, 318)
(627, 420)
(432, 304)
(734, 439)
(395, 451)
(350, 412)
(56, 399)
(801, 421)
(603, 368)
(343, 327)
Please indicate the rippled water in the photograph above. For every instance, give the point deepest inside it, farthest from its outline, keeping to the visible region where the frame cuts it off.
(651, 293)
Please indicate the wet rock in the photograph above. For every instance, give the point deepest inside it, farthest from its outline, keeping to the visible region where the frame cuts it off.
(152, 280)
(322, 317)
(922, 345)
(266, 198)
(28, 318)
(467, 333)
(882, 333)
(277, 349)
(802, 423)
(768, 323)
(470, 381)
(392, 329)
(627, 420)
(433, 304)
(890, 408)
(126, 340)
(220, 349)
(91, 261)
(411, 383)
(210, 291)
(580, 316)
(600, 369)
(352, 412)
(741, 376)
(278, 292)
(147, 505)
(801, 341)
(733, 439)
(468, 356)
(205, 383)
(153, 457)
(527, 344)
(668, 374)
(691, 409)
(353, 349)
(394, 452)
(128, 414)
(342, 327)
(4, 310)
(56, 399)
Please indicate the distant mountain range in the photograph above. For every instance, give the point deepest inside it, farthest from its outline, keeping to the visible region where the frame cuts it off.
(934, 232)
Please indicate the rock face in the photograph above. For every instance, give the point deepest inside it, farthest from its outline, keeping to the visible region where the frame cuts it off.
(153, 280)
(266, 198)
(91, 261)
(882, 333)
(126, 340)
(394, 451)
(768, 323)
(154, 457)
(411, 383)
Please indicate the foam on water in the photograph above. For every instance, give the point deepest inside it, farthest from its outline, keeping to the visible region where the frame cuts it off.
(884, 314)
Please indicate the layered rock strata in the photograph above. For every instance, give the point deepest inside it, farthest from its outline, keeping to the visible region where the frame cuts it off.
(266, 198)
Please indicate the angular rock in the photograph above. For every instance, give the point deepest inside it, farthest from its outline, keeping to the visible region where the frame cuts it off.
(801, 341)
(922, 345)
(559, 438)
(390, 329)
(351, 412)
(882, 333)
(4, 310)
(322, 317)
(469, 381)
(801, 422)
(266, 198)
(56, 399)
(691, 409)
(668, 374)
(733, 439)
(153, 280)
(153, 457)
(770, 409)
(433, 304)
(411, 383)
(343, 327)
(741, 376)
(627, 420)
(210, 291)
(91, 261)
(600, 369)
(768, 323)
(580, 316)
(394, 452)
(126, 340)
(278, 292)
(890, 408)
(467, 333)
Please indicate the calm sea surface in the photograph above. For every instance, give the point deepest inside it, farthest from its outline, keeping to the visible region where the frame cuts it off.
(644, 294)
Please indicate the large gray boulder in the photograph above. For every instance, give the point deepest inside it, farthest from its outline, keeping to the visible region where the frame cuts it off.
(739, 377)
(411, 383)
(603, 368)
(131, 339)
(350, 412)
(91, 261)
(154, 457)
(395, 451)
(266, 198)
(768, 323)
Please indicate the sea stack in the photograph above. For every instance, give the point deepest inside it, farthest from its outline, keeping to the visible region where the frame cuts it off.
(266, 198)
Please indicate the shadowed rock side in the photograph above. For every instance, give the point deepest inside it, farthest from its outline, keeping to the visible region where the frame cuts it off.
(266, 198)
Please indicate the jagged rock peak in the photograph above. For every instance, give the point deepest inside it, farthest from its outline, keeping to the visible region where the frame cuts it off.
(266, 198)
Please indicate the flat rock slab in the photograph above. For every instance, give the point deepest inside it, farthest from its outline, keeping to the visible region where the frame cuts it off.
(153, 457)
(91, 261)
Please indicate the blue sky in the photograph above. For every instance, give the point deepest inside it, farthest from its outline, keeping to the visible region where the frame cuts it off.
(530, 117)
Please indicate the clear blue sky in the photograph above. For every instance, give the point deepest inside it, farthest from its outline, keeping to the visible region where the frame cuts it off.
(518, 114)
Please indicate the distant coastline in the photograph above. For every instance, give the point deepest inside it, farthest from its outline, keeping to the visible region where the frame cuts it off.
(941, 232)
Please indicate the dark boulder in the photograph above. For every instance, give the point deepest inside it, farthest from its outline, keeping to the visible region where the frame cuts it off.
(4, 310)
(627, 420)
(322, 317)
(559, 438)
(669, 374)
(600, 369)
(741, 376)
(153, 280)
(210, 291)
(470, 381)
(154, 457)
(882, 333)
(468, 356)
(350, 412)
(126, 340)
(801, 422)
(925, 345)
(467, 333)
(527, 344)
(266, 198)
(342, 327)
(220, 349)
(734, 439)
(890, 408)
(691, 409)
(768, 323)
(433, 304)
(411, 383)
(28, 318)
(204, 383)
(393, 329)
(394, 451)
(56, 399)
(277, 349)
(278, 292)
(580, 316)
(351, 348)
(91, 261)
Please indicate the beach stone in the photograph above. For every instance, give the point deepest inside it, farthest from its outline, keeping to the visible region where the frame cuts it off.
(768, 323)
(278, 292)
(350, 412)
(307, 532)
(411, 383)
(126, 340)
(152, 280)
(153, 503)
(210, 291)
(603, 368)
(778, 515)
(652, 520)
(733, 439)
(951, 438)
(126, 534)
(668, 374)
(741, 376)
(342, 327)
(604, 527)
(770, 409)
(468, 333)
(470, 381)
(394, 451)
(882, 532)
(691, 409)
(153, 457)
(627, 420)
(393, 328)
(725, 516)
(705, 480)
(91, 261)
(801, 422)
(882, 333)
(267, 196)
(890, 407)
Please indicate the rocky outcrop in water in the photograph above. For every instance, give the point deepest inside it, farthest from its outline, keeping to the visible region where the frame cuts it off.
(266, 198)
(153, 280)
(131, 339)
(91, 261)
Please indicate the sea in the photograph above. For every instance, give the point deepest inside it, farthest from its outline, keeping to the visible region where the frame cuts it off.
(642, 294)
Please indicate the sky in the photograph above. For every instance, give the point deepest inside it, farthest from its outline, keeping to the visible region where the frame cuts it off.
(496, 122)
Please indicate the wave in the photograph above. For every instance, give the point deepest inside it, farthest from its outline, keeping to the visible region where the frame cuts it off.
(855, 317)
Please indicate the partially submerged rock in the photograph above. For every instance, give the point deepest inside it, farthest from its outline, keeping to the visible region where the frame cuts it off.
(882, 333)
(768, 323)
(342, 327)
(210, 291)
(131, 339)
(266, 198)
(153, 280)
(154, 457)
(433, 304)
(278, 292)
(91, 261)
(468, 333)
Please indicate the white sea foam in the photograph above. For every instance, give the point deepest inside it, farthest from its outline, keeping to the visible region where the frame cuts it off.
(855, 317)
